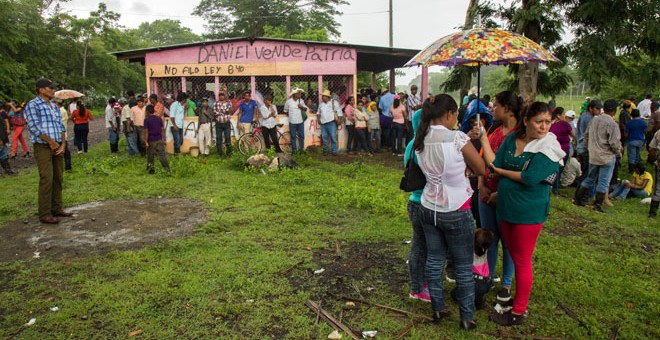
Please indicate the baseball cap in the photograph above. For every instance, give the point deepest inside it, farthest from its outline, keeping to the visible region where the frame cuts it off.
(43, 82)
(610, 105)
(570, 114)
(595, 103)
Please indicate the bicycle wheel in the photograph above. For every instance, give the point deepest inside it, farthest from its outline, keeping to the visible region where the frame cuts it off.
(249, 144)
(284, 139)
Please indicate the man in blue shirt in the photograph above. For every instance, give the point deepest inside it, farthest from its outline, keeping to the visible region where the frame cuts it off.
(634, 133)
(384, 104)
(593, 109)
(246, 113)
(177, 112)
(48, 135)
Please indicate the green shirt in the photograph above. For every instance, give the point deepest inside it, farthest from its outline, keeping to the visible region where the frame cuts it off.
(527, 202)
(191, 108)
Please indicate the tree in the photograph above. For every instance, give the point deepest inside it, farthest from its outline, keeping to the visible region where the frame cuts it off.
(230, 18)
(164, 32)
(611, 36)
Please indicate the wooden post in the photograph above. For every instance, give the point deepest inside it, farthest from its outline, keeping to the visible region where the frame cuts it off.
(392, 81)
(253, 85)
(217, 87)
(288, 86)
(425, 83)
(320, 88)
(373, 81)
(183, 85)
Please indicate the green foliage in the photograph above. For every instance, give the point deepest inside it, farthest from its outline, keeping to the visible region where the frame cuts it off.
(306, 33)
(164, 32)
(56, 46)
(251, 18)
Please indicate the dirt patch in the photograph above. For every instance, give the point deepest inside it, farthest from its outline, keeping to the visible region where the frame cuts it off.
(384, 158)
(99, 227)
(353, 269)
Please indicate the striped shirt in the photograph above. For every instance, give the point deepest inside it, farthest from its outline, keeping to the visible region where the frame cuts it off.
(412, 101)
(43, 118)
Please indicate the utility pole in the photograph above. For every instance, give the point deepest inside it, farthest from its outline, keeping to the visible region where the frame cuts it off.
(392, 73)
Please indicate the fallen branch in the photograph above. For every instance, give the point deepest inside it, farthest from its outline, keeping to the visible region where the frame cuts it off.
(286, 271)
(336, 325)
(405, 331)
(614, 335)
(517, 336)
(574, 317)
(396, 310)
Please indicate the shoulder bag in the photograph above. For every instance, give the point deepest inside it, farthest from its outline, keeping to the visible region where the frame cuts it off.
(17, 119)
(338, 120)
(413, 177)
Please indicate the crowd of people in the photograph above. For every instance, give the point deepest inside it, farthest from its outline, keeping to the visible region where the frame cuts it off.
(518, 155)
(495, 172)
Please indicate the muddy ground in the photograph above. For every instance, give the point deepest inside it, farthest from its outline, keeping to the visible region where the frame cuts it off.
(99, 227)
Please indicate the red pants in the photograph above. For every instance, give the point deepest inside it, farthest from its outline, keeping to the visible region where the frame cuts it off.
(521, 239)
(18, 136)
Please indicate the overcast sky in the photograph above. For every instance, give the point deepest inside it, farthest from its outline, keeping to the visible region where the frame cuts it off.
(417, 23)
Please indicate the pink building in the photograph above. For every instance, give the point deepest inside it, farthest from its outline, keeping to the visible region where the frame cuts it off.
(264, 66)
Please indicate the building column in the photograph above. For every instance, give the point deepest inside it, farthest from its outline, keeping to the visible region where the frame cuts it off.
(183, 85)
(217, 88)
(288, 86)
(373, 81)
(253, 85)
(392, 81)
(425, 83)
(320, 81)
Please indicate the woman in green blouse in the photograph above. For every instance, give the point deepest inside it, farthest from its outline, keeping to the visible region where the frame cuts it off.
(527, 163)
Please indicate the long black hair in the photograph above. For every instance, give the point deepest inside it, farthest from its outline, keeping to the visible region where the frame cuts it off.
(81, 108)
(532, 111)
(556, 112)
(396, 103)
(436, 108)
(511, 101)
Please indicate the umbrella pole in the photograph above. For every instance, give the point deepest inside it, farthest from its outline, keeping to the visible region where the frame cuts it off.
(479, 95)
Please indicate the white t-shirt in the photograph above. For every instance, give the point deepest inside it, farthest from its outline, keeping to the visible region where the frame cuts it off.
(644, 108)
(447, 188)
(326, 111)
(292, 109)
(266, 120)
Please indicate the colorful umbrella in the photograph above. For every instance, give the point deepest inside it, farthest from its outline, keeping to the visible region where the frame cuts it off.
(68, 94)
(481, 46)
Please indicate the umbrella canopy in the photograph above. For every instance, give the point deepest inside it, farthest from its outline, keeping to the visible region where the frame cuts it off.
(68, 94)
(481, 46)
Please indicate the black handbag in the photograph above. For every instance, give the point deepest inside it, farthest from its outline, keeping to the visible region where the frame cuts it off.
(413, 177)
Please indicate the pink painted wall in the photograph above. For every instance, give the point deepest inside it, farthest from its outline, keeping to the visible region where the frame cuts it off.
(314, 58)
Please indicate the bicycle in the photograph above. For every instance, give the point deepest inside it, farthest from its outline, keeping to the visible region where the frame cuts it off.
(251, 143)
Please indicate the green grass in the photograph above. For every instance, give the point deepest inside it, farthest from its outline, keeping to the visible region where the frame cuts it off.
(226, 281)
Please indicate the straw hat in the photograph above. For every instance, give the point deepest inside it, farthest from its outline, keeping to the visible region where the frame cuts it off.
(326, 93)
(295, 90)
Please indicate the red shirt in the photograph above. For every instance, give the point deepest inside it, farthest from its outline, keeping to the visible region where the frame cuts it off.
(77, 119)
(496, 139)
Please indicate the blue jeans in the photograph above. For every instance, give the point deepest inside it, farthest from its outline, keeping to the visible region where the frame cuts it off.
(178, 139)
(4, 153)
(223, 130)
(489, 221)
(417, 257)
(375, 135)
(599, 175)
(131, 142)
(634, 151)
(113, 136)
(297, 132)
(398, 138)
(352, 138)
(450, 233)
(329, 130)
(622, 192)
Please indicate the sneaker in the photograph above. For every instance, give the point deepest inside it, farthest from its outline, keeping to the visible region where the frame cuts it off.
(504, 294)
(497, 279)
(508, 319)
(451, 276)
(423, 296)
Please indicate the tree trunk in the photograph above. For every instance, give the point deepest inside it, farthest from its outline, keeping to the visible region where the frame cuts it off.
(528, 73)
(469, 21)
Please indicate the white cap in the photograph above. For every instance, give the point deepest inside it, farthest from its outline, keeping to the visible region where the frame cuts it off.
(570, 114)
